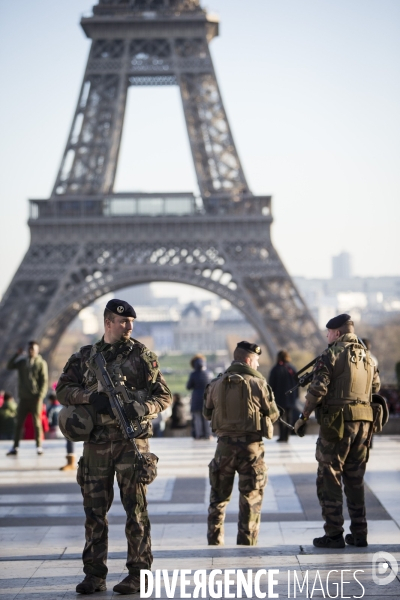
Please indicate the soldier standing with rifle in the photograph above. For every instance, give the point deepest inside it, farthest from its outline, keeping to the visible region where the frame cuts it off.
(344, 379)
(112, 390)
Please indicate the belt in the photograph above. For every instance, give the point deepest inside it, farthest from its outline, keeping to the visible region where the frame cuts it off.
(241, 438)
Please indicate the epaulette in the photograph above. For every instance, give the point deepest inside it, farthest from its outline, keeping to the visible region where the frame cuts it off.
(74, 358)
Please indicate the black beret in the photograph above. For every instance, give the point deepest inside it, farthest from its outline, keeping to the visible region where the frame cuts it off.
(121, 308)
(338, 321)
(249, 347)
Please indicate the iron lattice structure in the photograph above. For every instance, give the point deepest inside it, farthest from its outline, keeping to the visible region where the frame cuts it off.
(87, 241)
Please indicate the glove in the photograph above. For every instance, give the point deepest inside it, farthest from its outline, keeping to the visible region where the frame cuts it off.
(101, 404)
(300, 427)
(135, 410)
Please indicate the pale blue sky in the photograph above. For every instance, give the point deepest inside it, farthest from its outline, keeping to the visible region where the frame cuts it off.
(311, 89)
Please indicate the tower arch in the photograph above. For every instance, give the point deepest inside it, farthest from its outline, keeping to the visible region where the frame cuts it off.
(86, 239)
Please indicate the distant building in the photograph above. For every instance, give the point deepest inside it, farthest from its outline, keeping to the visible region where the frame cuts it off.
(371, 299)
(195, 327)
(342, 266)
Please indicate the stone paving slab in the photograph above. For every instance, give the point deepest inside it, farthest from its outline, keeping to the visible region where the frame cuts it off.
(43, 560)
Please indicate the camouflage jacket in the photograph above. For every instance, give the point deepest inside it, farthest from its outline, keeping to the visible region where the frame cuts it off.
(328, 367)
(138, 365)
(32, 376)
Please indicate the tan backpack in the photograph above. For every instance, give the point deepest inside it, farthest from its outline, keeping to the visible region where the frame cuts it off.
(235, 410)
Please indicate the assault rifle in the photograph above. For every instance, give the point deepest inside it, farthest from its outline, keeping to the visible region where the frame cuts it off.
(117, 395)
(304, 379)
(307, 377)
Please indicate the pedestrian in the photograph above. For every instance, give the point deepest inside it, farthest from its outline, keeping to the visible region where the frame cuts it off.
(241, 407)
(160, 422)
(29, 425)
(32, 388)
(197, 382)
(8, 414)
(397, 373)
(178, 417)
(283, 377)
(340, 392)
(107, 452)
(55, 432)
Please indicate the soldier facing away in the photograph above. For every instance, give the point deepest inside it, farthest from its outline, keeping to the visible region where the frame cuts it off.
(32, 388)
(241, 407)
(107, 452)
(345, 377)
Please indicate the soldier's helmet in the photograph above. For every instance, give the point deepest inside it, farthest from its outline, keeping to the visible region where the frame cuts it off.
(77, 422)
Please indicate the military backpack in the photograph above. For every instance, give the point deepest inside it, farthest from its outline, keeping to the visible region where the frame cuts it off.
(236, 411)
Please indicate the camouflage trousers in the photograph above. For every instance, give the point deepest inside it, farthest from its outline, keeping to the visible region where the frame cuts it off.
(96, 471)
(343, 460)
(247, 458)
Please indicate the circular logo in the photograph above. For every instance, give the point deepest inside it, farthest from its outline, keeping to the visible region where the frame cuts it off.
(120, 309)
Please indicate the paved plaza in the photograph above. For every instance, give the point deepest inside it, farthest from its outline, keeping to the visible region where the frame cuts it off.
(41, 524)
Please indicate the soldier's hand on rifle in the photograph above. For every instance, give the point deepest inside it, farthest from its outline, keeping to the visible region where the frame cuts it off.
(135, 410)
(101, 403)
(300, 426)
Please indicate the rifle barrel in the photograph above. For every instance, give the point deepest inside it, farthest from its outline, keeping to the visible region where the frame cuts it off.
(310, 364)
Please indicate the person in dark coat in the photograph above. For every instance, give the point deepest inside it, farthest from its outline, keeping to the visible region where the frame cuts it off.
(198, 381)
(178, 417)
(282, 378)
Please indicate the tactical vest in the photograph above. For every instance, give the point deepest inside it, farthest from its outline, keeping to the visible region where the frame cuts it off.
(352, 375)
(235, 409)
(114, 367)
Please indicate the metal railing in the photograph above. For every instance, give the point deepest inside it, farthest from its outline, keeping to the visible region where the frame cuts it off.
(139, 205)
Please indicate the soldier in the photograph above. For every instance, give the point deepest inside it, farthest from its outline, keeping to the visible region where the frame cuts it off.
(107, 452)
(340, 393)
(32, 388)
(241, 407)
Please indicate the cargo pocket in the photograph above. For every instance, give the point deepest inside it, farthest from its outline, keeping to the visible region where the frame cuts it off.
(267, 428)
(213, 470)
(358, 412)
(260, 476)
(147, 469)
(80, 474)
(332, 424)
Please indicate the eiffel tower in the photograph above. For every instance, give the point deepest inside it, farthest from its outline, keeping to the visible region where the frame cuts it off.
(87, 240)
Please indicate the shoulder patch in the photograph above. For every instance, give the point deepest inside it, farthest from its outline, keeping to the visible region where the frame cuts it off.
(150, 362)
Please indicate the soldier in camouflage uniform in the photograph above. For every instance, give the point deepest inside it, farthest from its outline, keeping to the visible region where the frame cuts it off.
(107, 452)
(241, 407)
(345, 377)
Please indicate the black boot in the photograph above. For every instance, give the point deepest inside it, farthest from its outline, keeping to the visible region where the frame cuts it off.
(129, 585)
(329, 542)
(360, 542)
(91, 584)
